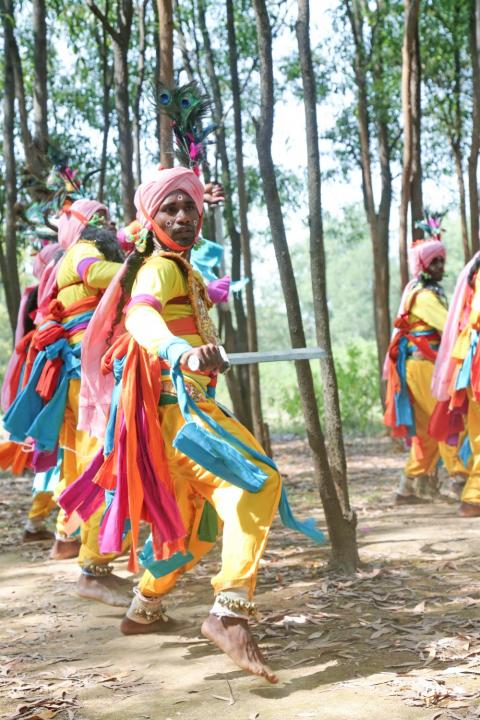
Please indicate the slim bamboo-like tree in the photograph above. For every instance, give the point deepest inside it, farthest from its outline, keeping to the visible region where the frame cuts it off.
(8, 244)
(120, 35)
(408, 53)
(165, 40)
(260, 432)
(371, 113)
(333, 419)
(475, 137)
(341, 527)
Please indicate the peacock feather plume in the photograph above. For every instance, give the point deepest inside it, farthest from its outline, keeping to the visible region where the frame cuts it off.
(187, 107)
(431, 223)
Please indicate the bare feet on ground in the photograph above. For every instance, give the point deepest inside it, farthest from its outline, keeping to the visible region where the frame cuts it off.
(108, 589)
(62, 550)
(130, 627)
(233, 637)
(37, 535)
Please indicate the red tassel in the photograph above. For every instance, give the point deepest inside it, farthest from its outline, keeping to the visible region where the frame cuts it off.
(48, 380)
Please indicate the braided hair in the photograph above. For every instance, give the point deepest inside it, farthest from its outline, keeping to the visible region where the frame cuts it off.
(133, 264)
(105, 240)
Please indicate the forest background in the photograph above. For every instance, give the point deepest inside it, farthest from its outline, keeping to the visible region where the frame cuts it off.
(67, 61)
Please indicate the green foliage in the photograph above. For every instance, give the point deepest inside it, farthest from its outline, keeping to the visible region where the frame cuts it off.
(358, 387)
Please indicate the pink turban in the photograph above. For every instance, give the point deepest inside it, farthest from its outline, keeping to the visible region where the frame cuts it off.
(74, 219)
(42, 258)
(150, 195)
(423, 253)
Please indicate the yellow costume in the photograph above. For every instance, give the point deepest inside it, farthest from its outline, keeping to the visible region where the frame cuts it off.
(427, 312)
(83, 272)
(246, 516)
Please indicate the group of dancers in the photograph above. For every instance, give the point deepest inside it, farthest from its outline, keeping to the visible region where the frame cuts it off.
(432, 370)
(110, 398)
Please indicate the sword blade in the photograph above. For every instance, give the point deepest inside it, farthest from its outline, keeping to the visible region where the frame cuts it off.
(252, 358)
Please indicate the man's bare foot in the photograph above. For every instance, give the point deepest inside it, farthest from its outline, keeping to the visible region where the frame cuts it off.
(108, 589)
(130, 627)
(37, 535)
(63, 550)
(232, 635)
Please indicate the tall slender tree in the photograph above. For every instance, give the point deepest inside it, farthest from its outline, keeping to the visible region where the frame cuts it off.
(165, 41)
(341, 526)
(372, 101)
(8, 248)
(474, 34)
(408, 54)
(120, 33)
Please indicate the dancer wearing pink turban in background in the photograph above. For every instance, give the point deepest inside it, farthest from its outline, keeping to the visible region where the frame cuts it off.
(408, 370)
(456, 379)
(73, 289)
(15, 457)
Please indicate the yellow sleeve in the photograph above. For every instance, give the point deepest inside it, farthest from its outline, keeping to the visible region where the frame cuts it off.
(161, 279)
(430, 310)
(474, 320)
(91, 267)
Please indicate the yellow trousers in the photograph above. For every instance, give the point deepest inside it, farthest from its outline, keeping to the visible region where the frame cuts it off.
(246, 517)
(78, 450)
(419, 380)
(471, 491)
(41, 507)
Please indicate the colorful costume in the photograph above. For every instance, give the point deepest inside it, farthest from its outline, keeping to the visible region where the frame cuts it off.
(409, 368)
(456, 379)
(172, 457)
(15, 456)
(47, 408)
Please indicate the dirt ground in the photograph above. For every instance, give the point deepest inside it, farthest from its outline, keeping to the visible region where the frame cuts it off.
(400, 640)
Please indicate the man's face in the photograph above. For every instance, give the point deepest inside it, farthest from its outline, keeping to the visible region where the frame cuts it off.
(436, 269)
(178, 217)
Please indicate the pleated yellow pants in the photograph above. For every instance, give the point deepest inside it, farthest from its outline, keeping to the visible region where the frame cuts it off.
(419, 380)
(79, 449)
(246, 516)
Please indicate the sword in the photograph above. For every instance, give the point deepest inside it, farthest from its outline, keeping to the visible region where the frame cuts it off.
(250, 358)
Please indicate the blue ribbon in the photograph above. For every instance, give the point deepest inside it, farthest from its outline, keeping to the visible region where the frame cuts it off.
(464, 375)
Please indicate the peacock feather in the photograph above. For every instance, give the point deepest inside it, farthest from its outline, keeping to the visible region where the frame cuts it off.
(431, 223)
(187, 107)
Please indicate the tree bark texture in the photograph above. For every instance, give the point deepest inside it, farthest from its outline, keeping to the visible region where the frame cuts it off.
(121, 41)
(259, 429)
(408, 52)
(475, 138)
(40, 94)
(416, 194)
(136, 124)
(240, 338)
(333, 419)
(341, 529)
(165, 39)
(378, 223)
(8, 264)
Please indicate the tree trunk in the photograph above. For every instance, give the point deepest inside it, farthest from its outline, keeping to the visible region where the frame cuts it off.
(125, 144)
(121, 42)
(475, 138)
(341, 529)
(416, 195)
(165, 38)
(107, 77)
(333, 419)
(457, 153)
(8, 264)
(408, 51)
(40, 111)
(378, 223)
(242, 373)
(137, 127)
(259, 429)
